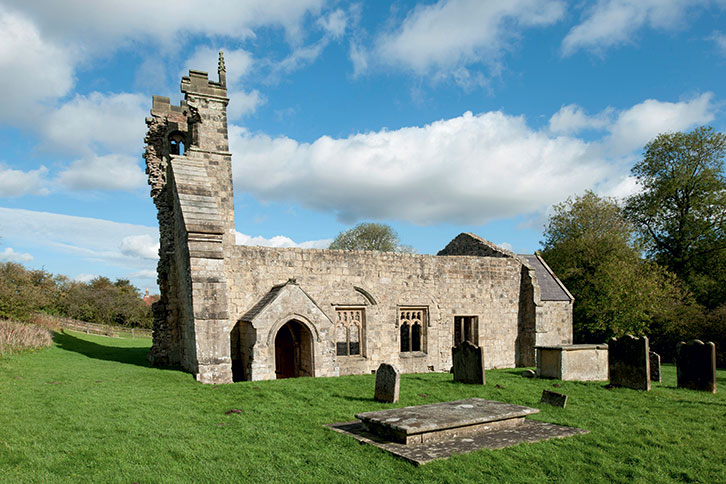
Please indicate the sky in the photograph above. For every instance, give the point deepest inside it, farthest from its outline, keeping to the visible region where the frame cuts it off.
(435, 117)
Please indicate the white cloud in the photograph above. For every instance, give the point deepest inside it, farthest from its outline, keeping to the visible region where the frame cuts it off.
(242, 103)
(335, 23)
(144, 246)
(113, 122)
(470, 169)
(16, 183)
(572, 119)
(610, 23)
(100, 25)
(719, 38)
(109, 172)
(144, 274)
(85, 277)
(454, 33)
(34, 69)
(91, 238)
(636, 126)
(280, 241)
(10, 255)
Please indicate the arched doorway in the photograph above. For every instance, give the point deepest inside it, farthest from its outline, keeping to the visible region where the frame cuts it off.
(293, 351)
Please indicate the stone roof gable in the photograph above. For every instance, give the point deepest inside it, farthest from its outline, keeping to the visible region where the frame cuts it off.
(282, 300)
(550, 287)
(471, 244)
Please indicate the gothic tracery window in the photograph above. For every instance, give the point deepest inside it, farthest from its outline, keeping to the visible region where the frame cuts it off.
(349, 327)
(413, 329)
(466, 329)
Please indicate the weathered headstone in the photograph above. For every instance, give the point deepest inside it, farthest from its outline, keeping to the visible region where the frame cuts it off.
(468, 363)
(654, 366)
(388, 382)
(629, 362)
(696, 365)
(553, 398)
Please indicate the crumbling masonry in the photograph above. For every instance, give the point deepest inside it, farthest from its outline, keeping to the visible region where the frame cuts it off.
(229, 312)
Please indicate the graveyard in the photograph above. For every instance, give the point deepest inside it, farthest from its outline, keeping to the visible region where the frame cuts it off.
(91, 409)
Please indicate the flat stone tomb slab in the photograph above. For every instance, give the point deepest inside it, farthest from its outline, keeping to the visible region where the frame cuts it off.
(440, 430)
(443, 421)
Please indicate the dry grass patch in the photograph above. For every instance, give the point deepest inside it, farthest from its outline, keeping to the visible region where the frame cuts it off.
(15, 336)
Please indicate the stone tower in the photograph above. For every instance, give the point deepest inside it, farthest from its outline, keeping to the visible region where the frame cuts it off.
(190, 173)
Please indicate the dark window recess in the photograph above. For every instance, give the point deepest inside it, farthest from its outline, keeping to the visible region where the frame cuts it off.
(416, 337)
(405, 335)
(464, 329)
(342, 348)
(354, 348)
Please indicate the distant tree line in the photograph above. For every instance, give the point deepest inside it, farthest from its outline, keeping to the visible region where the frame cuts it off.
(24, 292)
(655, 263)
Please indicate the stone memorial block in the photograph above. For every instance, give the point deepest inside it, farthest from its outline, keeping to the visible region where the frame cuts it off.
(553, 398)
(468, 363)
(654, 366)
(629, 362)
(388, 382)
(696, 365)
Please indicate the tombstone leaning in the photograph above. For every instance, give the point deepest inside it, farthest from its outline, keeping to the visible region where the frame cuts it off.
(696, 365)
(629, 362)
(654, 366)
(468, 363)
(388, 382)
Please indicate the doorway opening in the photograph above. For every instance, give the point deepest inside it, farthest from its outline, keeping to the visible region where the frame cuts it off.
(293, 351)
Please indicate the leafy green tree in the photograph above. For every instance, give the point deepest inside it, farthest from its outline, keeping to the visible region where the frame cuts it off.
(591, 246)
(681, 211)
(370, 236)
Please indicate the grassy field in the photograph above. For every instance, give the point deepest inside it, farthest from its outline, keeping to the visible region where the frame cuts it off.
(90, 409)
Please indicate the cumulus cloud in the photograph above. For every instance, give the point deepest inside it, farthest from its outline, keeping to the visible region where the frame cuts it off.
(719, 39)
(112, 122)
(34, 68)
(144, 246)
(572, 119)
(334, 23)
(469, 170)
(109, 172)
(611, 23)
(16, 183)
(10, 255)
(280, 241)
(149, 274)
(454, 33)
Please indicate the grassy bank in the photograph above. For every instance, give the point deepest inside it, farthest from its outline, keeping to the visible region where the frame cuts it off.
(16, 337)
(89, 409)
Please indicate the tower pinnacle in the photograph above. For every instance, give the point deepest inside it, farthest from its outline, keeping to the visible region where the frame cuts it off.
(222, 70)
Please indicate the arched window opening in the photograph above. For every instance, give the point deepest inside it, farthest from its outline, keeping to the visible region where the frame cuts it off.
(349, 331)
(416, 337)
(413, 329)
(176, 143)
(405, 337)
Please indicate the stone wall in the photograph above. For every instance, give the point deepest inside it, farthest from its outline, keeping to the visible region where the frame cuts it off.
(447, 286)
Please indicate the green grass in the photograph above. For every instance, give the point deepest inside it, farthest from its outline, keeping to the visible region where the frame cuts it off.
(90, 409)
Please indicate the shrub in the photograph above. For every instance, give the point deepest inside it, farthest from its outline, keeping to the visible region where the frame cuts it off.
(15, 336)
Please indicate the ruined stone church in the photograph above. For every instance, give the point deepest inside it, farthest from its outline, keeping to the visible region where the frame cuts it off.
(230, 312)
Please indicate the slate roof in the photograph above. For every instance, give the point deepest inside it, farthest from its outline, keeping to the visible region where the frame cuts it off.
(550, 288)
(262, 303)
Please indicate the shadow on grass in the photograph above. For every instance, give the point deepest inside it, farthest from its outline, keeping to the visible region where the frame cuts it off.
(130, 356)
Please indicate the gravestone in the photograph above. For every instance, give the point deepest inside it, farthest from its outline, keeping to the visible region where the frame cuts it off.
(388, 382)
(629, 362)
(553, 398)
(696, 365)
(468, 363)
(654, 366)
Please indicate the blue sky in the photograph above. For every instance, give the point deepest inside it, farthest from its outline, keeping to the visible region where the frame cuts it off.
(435, 117)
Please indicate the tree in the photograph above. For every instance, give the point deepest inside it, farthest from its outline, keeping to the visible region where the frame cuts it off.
(370, 236)
(591, 246)
(681, 210)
